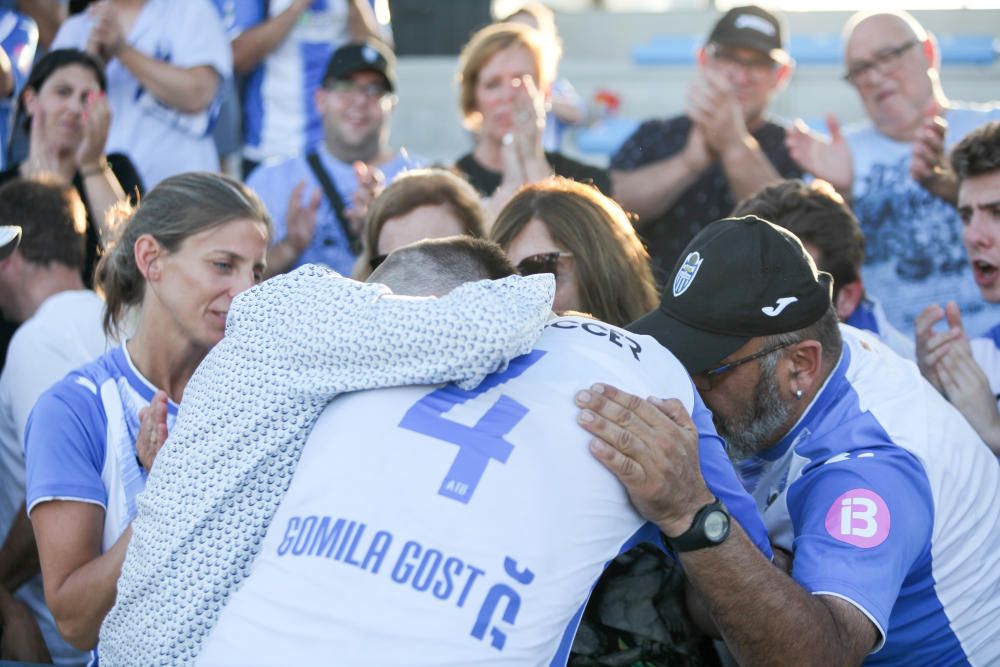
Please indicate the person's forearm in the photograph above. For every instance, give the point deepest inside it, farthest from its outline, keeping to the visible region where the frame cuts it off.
(80, 602)
(187, 89)
(361, 23)
(651, 190)
(18, 556)
(102, 192)
(747, 168)
(764, 616)
(256, 43)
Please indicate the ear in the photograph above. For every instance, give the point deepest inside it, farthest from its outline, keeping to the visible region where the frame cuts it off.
(848, 298)
(805, 359)
(30, 98)
(701, 57)
(785, 74)
(148, 252)
(931, 51)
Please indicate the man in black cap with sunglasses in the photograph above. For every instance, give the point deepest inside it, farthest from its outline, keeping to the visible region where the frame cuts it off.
(882, 496)
(681, 173)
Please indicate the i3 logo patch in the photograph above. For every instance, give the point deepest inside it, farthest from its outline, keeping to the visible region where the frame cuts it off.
(859, 517)
(687, 272)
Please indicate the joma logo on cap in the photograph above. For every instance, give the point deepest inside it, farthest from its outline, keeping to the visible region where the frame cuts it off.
(687, 272)
(780, 305)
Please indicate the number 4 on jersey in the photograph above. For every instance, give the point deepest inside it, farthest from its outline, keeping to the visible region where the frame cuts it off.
(478, 444)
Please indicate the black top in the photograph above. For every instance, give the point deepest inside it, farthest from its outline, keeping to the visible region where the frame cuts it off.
(707, 200)
(131, 183)
(486, 181)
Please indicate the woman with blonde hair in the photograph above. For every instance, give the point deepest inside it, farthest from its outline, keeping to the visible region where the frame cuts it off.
(505, 77)
(195, 242)
(586, 240)
(419, 204)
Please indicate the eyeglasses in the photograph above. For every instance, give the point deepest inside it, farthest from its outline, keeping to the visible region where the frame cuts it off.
(544, 262)
(883, 62)
(756, 68)
(730, 365)
(371, 91)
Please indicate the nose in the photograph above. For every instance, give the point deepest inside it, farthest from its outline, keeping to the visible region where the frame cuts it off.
(243, 281)
(977, 232)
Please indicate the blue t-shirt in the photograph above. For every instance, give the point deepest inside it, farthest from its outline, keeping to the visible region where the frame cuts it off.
(80, 440)
(330, 247)
(889, 500)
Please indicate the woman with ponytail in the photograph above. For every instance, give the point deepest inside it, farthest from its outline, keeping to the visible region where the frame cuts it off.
(195, 242)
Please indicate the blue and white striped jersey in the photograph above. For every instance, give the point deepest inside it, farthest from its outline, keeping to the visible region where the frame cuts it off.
(890, 500)
(80, 440)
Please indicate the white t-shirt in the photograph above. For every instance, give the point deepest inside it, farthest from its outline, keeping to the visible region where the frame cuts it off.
(65, 332)
(438, 526)
(161, 140)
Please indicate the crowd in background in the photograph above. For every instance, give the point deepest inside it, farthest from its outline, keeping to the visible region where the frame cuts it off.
(119, 123)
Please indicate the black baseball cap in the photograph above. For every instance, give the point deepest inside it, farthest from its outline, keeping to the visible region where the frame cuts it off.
(369, 56)
(10, 237)
(751, 27)
(739, 278)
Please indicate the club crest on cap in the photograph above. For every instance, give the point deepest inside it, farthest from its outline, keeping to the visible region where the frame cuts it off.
(753, 22)
(687, 272)
(369, 54)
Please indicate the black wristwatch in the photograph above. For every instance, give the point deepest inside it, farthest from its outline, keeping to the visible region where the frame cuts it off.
(710, 528)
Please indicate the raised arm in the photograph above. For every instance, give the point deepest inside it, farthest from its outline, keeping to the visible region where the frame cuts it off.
(187, 89)
(256, 43)
(651, 190)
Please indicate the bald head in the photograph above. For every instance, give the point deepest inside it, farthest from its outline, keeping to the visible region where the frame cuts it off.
(892, 62)
(437, 266)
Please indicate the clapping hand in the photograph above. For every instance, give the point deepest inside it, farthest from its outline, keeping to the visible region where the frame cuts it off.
(715, 110)
(928, 163)
(96, 121)
(152, 430)
(828, 159)
(300, 221)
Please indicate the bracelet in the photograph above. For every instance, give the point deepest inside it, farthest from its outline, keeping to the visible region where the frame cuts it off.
(102, 167)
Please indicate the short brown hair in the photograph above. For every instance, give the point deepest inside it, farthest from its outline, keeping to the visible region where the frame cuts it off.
(978, 153)
(52, 218)
(411, 190)
(818, 216)
(488, 42)
(612, 266)
(180, 206)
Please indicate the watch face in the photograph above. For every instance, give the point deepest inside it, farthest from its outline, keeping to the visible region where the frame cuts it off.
(716, 525)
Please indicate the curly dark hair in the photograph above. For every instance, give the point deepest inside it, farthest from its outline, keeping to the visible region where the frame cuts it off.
(978, 153)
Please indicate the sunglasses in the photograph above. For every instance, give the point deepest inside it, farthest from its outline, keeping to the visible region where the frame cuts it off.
(543, 262)
(376, 261)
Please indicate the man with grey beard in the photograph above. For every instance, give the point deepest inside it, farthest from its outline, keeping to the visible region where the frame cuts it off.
(884, 497)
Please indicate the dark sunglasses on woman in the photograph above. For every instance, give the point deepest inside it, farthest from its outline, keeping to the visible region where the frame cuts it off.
(543, 262)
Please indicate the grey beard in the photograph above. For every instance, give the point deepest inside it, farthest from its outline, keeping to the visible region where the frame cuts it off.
(752, 432)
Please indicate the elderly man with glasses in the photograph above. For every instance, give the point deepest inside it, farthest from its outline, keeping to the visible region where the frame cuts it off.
(893, 168)
(881, 494)
(681, 173)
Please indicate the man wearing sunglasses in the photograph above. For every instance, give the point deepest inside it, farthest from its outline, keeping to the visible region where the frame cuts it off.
(893, 168)
(681, 173)
(881, 494)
